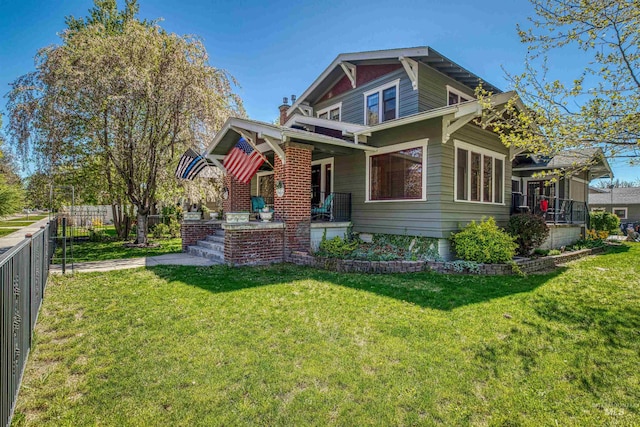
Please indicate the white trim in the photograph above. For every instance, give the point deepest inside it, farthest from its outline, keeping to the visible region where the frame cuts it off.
(322, 162)
(411, 68)
(390, 149)
(328, 110)
(470, 148)
(451, 89)
(459, 110)
(345, 127)
(379, 91)
(260, 175)
(626, 212)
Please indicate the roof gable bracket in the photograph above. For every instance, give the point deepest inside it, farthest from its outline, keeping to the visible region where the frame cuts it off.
(216, 161)
(350, 70)
(248, 135)
(464, 114)
(305, 110)
(411, 67)
(273, 143)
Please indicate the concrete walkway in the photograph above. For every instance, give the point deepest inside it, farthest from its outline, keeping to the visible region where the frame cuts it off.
(122, 264)
(10, 240)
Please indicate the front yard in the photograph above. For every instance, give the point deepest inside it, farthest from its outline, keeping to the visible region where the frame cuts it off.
(293, 346)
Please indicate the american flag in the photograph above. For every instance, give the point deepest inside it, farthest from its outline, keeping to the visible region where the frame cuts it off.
(243, 161)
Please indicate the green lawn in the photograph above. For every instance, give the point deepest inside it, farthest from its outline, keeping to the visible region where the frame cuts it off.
(99, 251)
(13, 223)
(290, 346)
(5, 231)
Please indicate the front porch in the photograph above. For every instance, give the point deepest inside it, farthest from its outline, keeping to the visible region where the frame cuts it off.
(553, 209)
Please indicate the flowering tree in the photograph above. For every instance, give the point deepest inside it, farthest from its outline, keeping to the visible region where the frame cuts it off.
(124, 95)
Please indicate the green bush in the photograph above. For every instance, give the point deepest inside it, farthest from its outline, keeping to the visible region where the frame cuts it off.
(174, 228)
(484, 242)
(553, 252)
(336, 247)
(160, 231)
(529, 230)
(605, 221)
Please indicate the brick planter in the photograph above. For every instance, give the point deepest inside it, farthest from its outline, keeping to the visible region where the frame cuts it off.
(384, 267)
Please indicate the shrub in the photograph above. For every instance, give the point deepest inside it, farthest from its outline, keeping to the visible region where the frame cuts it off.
(484, 242)
(174, 228)
(541, 252)
(529, 230)
(98, 236)
(553, 252)
(594, 234)
(336, 247)
(160, 230)
(605, 221)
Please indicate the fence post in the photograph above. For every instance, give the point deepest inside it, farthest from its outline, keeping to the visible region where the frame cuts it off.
(64, 244)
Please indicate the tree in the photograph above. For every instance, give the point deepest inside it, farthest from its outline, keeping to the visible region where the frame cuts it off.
(125, 94)
(601, 105)
(11, 191)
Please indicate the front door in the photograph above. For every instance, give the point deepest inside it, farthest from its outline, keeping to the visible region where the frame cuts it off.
(321, 180)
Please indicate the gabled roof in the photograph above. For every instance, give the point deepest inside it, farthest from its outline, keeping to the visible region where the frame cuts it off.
(592, 158)
(228, 136)
(621, 197)
(423, 54)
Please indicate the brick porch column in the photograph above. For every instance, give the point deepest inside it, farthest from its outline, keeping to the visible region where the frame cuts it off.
(294, 208)
(239, 199)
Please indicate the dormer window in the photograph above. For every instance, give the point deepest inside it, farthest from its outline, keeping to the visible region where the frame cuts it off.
(381, 103)
(455, 96)
(333, 112)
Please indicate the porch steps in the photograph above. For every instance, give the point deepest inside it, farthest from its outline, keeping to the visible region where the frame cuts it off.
(212, 247)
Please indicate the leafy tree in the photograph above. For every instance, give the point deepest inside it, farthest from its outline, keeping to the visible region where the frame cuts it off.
(601, 105)
(11, 191)
(617, 183)
(125, 96)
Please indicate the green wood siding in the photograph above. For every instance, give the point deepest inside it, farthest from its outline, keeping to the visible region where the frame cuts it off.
(432, 88)
(439, 215)
(353, 100)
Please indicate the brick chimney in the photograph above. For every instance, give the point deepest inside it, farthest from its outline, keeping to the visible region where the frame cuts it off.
(283, 110)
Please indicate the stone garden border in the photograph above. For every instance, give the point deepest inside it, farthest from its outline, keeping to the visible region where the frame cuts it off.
(385, 267)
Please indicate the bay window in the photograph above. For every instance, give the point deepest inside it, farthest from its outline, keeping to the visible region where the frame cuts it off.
(479, 175)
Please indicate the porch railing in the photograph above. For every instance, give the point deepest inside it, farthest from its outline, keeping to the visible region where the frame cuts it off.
(558, 211)
(332, 207)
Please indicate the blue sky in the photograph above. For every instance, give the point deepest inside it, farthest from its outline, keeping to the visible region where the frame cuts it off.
(277, 48)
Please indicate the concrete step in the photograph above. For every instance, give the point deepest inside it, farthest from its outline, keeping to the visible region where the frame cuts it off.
(220, 232)
(212, 244)
(206, 253)
(215, 239)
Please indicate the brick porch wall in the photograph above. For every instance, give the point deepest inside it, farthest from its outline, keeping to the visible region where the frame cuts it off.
(192, 231)
(294, 208)
(253, 246)
(239, 199)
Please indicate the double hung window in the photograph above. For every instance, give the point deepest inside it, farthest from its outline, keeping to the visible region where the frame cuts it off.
(381, 103)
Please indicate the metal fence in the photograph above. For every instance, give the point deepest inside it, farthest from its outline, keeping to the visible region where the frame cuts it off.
(23, 275)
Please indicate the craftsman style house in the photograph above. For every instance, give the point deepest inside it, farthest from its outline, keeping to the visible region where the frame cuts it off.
(386, 141)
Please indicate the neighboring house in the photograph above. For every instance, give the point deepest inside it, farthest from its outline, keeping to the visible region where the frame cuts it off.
(387, 141)
(623, 201)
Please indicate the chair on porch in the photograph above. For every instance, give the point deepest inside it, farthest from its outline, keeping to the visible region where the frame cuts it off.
(258, 204)
(324, 210)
